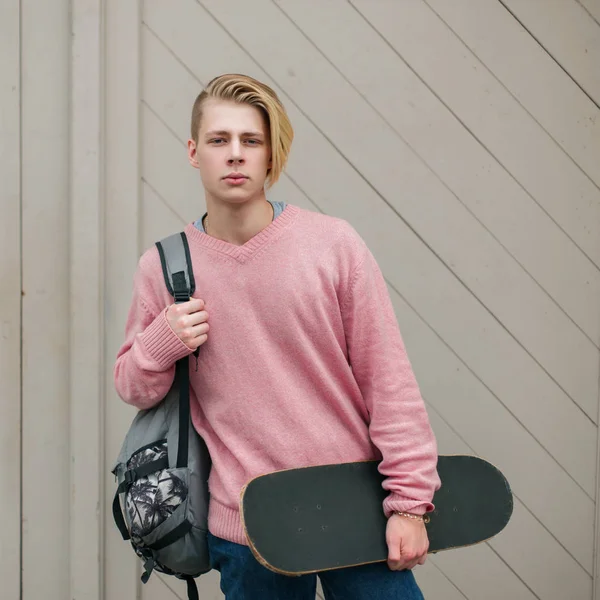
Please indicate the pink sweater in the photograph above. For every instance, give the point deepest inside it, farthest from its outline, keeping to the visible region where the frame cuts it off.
(304, 363)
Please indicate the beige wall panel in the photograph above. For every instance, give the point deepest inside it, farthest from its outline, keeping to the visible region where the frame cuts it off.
(515, 578)
(568, 33)
(538, 83)
(45, 92)
(164, 155)
(555, 577)
(435, 585)
(158, 220)
(470, 172)
(334, 186)
(121, 565)
(478, 568)
(10, 302)
(498, 121)
(86, 323)
(473, 414)
(438, 217)
(321, 179)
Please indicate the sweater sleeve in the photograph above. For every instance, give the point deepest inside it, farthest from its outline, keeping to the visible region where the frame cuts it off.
(399, 425)
(145, 364)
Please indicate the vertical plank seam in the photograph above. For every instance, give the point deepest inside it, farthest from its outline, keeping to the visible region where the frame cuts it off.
(101, 504)
(85, 213)
(596, 557)
(20, 94)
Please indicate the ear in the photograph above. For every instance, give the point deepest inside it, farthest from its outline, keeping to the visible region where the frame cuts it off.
(192, 154)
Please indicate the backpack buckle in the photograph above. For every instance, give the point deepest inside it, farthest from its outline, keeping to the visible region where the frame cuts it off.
(181, 295)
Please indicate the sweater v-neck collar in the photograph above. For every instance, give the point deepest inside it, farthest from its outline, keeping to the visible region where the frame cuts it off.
(253, 245)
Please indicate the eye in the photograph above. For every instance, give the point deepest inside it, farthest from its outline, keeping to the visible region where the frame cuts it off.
(253, 142)
(216, 141)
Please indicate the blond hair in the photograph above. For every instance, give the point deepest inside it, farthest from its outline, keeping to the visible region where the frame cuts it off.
(246, 90)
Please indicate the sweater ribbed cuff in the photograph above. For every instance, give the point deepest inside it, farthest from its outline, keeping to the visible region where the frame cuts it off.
(395, 503)
(161, 342)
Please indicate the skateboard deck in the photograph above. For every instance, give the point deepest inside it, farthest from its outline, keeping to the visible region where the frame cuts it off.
(312, 519)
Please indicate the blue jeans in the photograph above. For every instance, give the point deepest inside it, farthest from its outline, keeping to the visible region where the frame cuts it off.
(244, 578)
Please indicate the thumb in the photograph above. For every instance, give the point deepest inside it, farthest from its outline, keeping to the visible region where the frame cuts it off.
(394, 552)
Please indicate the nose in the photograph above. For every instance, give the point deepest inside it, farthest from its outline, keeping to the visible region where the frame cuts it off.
(236, 156)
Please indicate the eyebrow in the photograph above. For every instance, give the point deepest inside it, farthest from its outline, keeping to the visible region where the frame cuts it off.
(245, 133)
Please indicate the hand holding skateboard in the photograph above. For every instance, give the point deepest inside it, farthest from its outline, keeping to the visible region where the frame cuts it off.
(328, 517)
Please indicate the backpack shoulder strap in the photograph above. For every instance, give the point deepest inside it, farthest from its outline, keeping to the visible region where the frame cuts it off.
(179, 278)
(176, 264)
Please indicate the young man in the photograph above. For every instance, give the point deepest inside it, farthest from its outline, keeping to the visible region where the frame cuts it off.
(300, 361)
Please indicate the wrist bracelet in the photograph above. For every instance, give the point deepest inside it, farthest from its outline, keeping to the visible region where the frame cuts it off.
(424, 518)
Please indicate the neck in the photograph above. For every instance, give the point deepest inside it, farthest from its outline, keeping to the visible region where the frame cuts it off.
(237, 224)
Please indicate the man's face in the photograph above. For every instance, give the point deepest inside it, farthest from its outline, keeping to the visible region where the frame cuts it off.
(233, 151)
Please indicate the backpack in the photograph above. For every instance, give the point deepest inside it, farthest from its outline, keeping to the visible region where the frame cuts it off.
(161, 502)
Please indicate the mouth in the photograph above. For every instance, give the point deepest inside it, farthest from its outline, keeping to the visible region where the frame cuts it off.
(235, 179)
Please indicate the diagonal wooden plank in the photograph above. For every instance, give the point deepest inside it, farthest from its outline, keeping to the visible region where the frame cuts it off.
(568, 580)
(435, 585)
(384, 88)
(538, 83)
(470, 172)
(185, 199)
(568, 33)
(324, 175)
(438, 218)
(324, 168)
(486, 568)
(493, 116)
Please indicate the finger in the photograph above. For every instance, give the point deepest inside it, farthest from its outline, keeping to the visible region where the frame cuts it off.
(196, 318)
(422, 559)
(394, 552)
(189, 307)
(196, 304)
(191, 334)
(410, 565)
(197, 342)
(409, 559)
(199, 330)
(395, 565)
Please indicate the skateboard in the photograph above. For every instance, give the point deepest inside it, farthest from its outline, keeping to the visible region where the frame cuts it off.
(313, 519)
